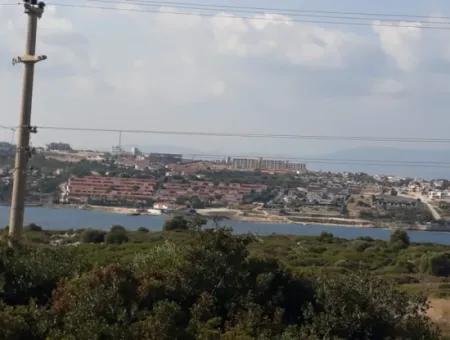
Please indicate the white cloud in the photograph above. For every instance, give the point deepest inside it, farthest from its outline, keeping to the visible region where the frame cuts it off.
(402, 44)
(277, 36)
(135, 70)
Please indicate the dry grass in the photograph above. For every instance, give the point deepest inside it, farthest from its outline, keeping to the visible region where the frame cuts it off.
(439, 312)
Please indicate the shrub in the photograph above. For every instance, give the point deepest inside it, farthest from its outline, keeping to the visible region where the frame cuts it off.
(176, 223)
(367, 215)
(118, 228)
(165, 322)
(326, 237)
(32, 273)
(93, 236)
(365, 307)
(143, 230)
(98, 305)
(116, 237)
(437, 264)
(33, 227)
(360, 245)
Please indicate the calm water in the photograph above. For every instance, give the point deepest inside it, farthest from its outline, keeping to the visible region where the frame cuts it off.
(59, 218)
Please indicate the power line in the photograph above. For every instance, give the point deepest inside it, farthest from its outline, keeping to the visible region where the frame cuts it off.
(253, 18)
(273, 11)
(365, 162)
(256, 135)
(288, 9)
(7, 127)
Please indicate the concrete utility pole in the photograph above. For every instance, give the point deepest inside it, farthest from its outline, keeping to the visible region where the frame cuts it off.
(34, 11)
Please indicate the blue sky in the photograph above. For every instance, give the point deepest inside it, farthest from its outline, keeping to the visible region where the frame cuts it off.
(157, 71)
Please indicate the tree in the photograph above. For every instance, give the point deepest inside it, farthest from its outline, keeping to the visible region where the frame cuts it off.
(176, 223)
(196, 203)
(143, 230)
(400, 239)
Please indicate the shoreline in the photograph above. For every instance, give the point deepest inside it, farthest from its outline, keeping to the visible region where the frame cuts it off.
(244, 216)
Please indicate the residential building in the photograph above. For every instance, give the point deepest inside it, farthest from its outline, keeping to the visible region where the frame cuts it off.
(108, 190)
(392, 202)
(59, 147)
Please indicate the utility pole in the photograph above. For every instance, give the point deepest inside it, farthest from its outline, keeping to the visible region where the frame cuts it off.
(34, 11)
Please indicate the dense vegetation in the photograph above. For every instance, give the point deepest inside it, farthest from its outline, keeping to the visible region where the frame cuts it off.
(209, 284)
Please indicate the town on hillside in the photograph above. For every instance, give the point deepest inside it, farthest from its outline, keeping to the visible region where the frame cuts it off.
(256, 188)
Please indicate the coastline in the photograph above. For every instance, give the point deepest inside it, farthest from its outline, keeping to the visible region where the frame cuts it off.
(251, 216)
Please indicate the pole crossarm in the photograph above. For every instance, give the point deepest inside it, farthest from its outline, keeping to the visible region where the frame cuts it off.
(28, 59)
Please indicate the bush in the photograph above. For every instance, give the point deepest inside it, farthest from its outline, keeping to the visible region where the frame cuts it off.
(204, 286)
(366, 214)
(365, 307)
(143, 230)
(118, 228)
(437, 264)
(92, 236)
(326, 237)
(33, 227)
(97, 305)
(32, 273)
(176, 223)
(116, 237)
(182, 223)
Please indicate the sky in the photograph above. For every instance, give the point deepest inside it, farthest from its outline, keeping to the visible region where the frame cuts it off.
(128, 70)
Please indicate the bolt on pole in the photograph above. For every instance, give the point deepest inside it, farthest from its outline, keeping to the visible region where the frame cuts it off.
(34, 11)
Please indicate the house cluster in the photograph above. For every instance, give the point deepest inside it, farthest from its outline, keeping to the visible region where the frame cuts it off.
(101, 189)
(114, 190)
(434, 190)
(221, 194)
(323, 190)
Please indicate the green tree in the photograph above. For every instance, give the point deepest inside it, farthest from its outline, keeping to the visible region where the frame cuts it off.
(399, 238)
(176, 223)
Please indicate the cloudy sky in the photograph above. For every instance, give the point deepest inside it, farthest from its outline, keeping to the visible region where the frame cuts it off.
(156, 71)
